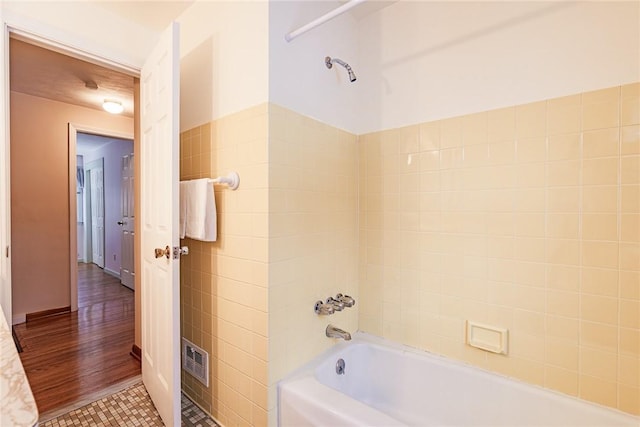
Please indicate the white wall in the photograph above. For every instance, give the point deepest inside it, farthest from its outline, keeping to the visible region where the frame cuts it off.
(422, 61)
(85, 26)
(112, 154)
(298, 77)
(224, 59)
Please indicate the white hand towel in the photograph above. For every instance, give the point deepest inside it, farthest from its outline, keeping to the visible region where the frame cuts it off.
(184, 189)
(201, 211)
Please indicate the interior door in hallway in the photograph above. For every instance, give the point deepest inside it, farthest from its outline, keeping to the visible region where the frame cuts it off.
(159, 175)
(127, 271)
(96, 204)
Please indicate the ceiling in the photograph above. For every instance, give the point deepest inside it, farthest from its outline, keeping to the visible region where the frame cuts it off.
(47, 74)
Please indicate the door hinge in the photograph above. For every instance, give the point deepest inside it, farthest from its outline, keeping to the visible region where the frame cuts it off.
(6, 252)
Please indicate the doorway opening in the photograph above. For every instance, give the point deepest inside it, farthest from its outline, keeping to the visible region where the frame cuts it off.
(105, 204)
(55, 102)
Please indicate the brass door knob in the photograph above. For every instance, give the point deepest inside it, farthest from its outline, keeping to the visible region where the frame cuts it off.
(163, 252)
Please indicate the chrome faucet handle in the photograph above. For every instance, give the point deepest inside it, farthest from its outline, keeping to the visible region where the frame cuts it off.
(346, 300)
(323, 309)
(337, 305)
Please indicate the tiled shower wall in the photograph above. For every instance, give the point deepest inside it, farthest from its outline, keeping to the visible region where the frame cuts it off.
(313, 237)
(526, 218)
(286, 238)
(224, 283)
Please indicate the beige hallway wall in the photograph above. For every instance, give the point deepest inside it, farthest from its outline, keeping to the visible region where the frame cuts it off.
(40, 197)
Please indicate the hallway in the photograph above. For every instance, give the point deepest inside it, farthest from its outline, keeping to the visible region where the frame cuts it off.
(69, 356)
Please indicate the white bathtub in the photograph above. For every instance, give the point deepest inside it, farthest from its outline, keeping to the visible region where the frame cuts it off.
(387, 384)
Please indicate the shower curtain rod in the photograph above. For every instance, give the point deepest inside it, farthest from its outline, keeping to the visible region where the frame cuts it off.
(324, 18)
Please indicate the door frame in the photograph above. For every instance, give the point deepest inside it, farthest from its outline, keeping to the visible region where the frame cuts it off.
(74, 129)
(5, 176)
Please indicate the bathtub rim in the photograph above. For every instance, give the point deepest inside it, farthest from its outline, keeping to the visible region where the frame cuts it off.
(364, 338)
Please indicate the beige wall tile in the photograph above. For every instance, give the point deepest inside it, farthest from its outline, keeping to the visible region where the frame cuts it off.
(532, 175)
(601, 143)
(629, 399)
(599, 254)
(474, 129)
(222, 324)
(630, 228)
(429, 136)
(531, 120)
(562, 354)
(601, 109)
(562, 225)
(451, 133)
(600, 227)
(630, 140)
(561, 303)
(600, 309)
(528, 371)
(564, 147)
(630, 104)
(629, 342)
(599, 281)
(629, 371)
(561, 380)
(563, 251)
(563, 277)
(598, 390)
(531, 149)
(501, 125)
(629, 288)
(564, 115)
(630, 314)
(629, 256)
(549, 193)
(564, 173)
(600, 198)
(567, 199)
(630, 169)
(564, 328)
(601, 171)
(599, 336)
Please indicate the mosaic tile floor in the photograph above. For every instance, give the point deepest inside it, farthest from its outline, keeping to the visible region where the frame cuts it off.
(129, 407)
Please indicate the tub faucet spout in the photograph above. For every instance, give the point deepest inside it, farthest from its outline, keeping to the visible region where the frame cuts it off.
(333, 332)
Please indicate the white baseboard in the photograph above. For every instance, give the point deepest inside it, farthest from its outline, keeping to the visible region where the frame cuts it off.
(18, 318)
(111, 272)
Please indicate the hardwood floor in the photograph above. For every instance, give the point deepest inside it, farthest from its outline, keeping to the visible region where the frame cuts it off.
(70, 355)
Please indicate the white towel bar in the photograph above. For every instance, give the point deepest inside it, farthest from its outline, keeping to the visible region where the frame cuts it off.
(232, 180)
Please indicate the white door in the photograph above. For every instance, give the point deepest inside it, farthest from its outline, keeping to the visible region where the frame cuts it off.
(159, 174)
(127, 274)
(97, 212)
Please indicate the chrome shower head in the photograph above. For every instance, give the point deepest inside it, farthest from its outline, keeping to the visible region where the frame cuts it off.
(328, 61)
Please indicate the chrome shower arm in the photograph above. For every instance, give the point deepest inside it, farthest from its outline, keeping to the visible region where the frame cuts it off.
(328, 61)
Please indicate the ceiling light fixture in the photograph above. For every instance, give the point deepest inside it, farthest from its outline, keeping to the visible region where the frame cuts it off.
(113, 107)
